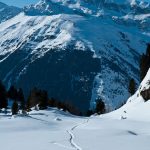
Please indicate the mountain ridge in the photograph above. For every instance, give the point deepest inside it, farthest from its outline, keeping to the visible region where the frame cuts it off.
(8, 12)
(101, 40)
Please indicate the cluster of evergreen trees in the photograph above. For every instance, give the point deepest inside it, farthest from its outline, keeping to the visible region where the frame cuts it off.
(99, 109)
(145, 63)
(39, 99)
(16, 95)
(144, 66)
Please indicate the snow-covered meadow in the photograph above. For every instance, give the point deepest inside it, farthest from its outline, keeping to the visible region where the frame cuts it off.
(127, 128)
(56, 130)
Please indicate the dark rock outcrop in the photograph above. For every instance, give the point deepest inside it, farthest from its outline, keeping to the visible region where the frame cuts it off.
(146, 94)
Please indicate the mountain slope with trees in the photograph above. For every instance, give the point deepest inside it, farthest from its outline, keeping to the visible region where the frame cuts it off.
(75, 50)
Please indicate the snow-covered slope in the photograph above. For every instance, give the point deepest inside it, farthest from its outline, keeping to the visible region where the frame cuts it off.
(130, 2)
(127, 128)
(56, 130)
(7, 12)
(60, 130)
(135, 108)
(77, 50)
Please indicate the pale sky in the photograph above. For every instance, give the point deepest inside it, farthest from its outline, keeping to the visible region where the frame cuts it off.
(19, 3)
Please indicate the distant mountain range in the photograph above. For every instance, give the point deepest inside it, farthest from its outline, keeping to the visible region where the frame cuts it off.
(7, 12)
(79, 51)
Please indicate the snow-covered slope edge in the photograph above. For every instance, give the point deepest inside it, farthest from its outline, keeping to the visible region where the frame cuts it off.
(135, 108)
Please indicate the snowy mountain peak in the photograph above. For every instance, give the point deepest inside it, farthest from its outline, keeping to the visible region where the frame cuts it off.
(46, 7)
(130, 2)
(89, 47)
(88, 8)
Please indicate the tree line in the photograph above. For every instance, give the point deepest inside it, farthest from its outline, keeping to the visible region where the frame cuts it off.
(39, 100)
(144, 67)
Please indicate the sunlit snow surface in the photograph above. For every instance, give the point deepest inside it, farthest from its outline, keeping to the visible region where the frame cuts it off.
(127, 128)
(52, 129)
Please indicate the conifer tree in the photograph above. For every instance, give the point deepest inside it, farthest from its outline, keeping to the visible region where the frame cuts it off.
(100, 106)
(21, 99)
(33, 98)
(15, 108)
(43, 100)
(12, 93)
(132, 86)
(3, 96)
(37, 97)
(145, 63)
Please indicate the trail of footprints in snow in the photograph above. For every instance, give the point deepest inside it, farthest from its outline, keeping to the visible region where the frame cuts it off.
(73, 144)
(72, 137)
